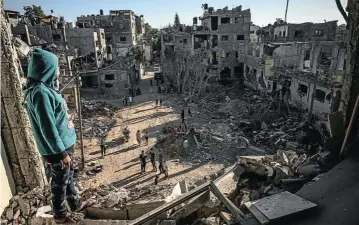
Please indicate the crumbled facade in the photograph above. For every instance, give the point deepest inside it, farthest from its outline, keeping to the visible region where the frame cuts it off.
(220, 32)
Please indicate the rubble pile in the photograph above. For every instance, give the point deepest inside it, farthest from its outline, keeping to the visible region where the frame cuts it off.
(107, 196)
(253, 116)
(271, 174)
(185, 146)
(24, 206)
(97, 118)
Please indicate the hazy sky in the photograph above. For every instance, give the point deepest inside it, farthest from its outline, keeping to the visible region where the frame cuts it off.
(161, 12)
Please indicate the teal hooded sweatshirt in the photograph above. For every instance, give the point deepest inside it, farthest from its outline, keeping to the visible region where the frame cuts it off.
(54, 132)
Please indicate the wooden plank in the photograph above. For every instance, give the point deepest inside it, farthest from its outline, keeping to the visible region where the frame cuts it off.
(336, 124)
(256, 213)
(158, 211)
(230, 206)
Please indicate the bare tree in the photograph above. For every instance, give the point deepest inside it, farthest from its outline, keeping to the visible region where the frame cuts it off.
(191, 72)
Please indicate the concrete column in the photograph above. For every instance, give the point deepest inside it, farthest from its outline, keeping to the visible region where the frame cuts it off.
(24, 159)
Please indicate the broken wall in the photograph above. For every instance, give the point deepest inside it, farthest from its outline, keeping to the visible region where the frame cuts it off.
(84, 39)
(301, 97)
(306, 32)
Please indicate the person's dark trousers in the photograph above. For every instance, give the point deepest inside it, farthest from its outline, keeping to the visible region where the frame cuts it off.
(143, 167)
(103, 150)
(63, 189)
(160, 167)
(154, 166)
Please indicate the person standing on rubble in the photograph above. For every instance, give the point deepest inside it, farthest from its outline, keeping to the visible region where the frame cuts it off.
(156, 101)
(161, 101)
(54, 132)
(103, 146)
(151, 82)
(130, 100)
(153, 160)
(182, 115)
(143, 160)
(160, 161)
(138, 137)
(126, 100)
(189, 112)
(146, 137)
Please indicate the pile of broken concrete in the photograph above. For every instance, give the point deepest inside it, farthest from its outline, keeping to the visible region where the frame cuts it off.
(24, 206)
(271, 174)
(97, 118)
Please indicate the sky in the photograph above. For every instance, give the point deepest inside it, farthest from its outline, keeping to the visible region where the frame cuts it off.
(159, 13)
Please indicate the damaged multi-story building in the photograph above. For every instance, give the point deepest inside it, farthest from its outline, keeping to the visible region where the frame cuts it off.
(300, 57)
(219, 32)
(123, 31)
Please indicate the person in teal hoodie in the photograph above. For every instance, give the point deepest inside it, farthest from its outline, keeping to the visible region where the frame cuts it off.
(53, 130)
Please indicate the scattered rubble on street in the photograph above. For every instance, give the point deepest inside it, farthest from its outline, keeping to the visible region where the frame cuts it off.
(97, 118)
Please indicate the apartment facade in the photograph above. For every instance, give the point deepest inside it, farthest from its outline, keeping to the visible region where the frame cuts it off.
(219, 32)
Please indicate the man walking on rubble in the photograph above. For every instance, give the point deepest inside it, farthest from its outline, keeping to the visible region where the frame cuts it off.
(54, 132)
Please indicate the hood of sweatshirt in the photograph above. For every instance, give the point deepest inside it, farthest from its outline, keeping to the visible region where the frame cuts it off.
(43, 67)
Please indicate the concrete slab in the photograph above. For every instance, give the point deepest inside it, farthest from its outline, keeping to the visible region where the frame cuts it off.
(108, 214)
(282, 204)
(138, 209)
(337, 195)
(193, 205)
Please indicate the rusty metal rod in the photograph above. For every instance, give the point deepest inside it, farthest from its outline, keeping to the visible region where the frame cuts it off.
(349, 130)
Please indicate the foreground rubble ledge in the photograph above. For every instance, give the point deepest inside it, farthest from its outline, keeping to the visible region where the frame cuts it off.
(50, 221)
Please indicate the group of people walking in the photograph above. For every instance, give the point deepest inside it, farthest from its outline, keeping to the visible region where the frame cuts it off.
(162, 166)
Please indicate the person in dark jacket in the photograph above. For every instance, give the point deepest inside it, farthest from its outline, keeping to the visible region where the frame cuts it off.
(160, 161)
(182, 115)
(153, 160)
(53, 130)
(143, 161)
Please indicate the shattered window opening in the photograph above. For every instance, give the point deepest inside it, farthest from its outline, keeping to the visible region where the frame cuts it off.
(302, 89)
(56, 36)
(298, 33)
(318, 33)
(110, 77)
(109, 85)
(319, 95)
(240, 37)
(123, 38)
(225, 20)
(225, 38)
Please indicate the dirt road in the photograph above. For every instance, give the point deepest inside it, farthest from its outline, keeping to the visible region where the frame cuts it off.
(121, 165)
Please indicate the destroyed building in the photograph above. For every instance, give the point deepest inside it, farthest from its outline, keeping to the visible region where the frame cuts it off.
(308, 31)
(123, 32)
(219, 32)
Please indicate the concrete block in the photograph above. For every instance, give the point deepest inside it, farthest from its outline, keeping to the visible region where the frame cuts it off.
(100, 213)
(193, 205)
(138, 209)
(50, 221)
(176, 191)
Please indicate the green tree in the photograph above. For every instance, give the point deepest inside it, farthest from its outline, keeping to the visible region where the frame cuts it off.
(177, 20)
(34, 11)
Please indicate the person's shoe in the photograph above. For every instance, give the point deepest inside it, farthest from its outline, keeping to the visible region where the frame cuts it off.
(85, 204)
(70, 218)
